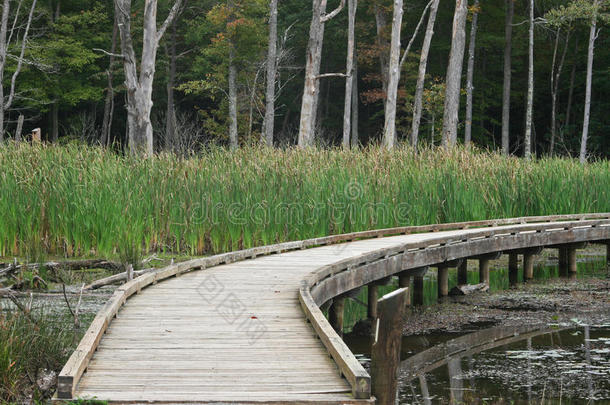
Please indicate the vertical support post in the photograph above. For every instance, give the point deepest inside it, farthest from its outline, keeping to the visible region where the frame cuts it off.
(528, 266)
(404, 281)
(129, 272)
(608, 257)
(513, 269)
(563, 261)
(385, 353)
(418, 290)
(335, 315)
(443, 281)
(371, 309)
(463, 272)
(484, 271)
(572, 268)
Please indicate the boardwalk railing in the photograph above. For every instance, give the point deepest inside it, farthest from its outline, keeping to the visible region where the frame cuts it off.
(338, 278)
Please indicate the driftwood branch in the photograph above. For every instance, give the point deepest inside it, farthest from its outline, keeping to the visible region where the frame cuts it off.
(71, 265)
(117, 278)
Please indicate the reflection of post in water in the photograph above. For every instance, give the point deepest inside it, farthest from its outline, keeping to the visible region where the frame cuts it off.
(529, 369)
(423, 384)
(588, 359)
(454, 366)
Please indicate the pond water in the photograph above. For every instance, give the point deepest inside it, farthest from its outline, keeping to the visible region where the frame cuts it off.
(561, 364)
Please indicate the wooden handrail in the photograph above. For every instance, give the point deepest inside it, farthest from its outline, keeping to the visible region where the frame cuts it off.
(77, 364)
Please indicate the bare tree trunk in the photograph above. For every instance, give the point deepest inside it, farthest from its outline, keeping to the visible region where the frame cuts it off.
(19, 128)
(170, 114)
(454, 74)
(421, 75)
(508, 43)
(470, 73)
(355, 97)
(139, 89)
(389, 129)
(5, 106)
(232, 100)
(349, 71)
(555, 75)
(585, 125)
(571, 89)
(268, 124)
(381, 22)
(527, 143)
(109, 103)
(312, 71)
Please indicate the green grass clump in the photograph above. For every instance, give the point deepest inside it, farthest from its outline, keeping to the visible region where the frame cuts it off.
(30, 345)
(77, 200)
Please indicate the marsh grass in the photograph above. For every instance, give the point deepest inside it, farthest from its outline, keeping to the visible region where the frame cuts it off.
(77, 201)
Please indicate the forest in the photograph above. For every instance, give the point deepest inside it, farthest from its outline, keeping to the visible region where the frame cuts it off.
(521, 77)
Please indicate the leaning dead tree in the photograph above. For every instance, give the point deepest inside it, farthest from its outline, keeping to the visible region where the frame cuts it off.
(312, 71)
(139, 82)
(6, 35)
(454, 74)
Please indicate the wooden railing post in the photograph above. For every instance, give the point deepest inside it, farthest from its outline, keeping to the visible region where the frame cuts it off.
(463, 272)
(385, 353)
(513, 269)
(335, 315)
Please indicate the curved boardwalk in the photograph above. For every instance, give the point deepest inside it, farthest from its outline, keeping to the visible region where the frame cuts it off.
(233, 333)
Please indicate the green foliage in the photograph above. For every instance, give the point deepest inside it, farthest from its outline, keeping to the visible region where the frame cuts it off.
(578, 11)
(78, 200)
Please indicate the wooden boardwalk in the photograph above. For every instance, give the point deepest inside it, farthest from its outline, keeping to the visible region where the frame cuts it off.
(230, 333)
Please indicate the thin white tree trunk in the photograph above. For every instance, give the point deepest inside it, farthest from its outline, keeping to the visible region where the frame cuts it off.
(3, 54)
(587, 114)
(389, 129)
(381, 22)
(555, 76)
(421, 75)
(527, 143)
(170, 114)
(470, 74)
(355, 95)
(508, 43)
(349, 71)
(109, 103)
(454, 74)
(269, 122)
(232, 101)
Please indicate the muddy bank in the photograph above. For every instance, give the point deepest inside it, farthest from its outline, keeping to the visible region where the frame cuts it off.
(535, 303)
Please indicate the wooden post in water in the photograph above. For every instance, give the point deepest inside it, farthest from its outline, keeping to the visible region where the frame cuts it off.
(418, 290)
(404, 281)
(572, 267)
(562, 252)
(335, 315)
(484, 270)
(385, 353)
(443, 281)
(528, 265)
(513, 268)
(371, 309)
(463, 272)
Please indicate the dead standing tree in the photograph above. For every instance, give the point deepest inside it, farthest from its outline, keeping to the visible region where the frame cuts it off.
(312, 71)
(6, 35)
(140, 86)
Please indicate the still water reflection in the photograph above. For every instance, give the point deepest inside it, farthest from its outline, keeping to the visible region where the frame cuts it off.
(521, 365)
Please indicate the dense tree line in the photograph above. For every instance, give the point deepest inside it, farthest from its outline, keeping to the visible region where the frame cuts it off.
(521, 76)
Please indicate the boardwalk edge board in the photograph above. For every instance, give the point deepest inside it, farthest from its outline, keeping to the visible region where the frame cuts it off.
(332, 280)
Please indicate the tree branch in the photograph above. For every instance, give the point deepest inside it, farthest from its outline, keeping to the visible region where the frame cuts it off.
(170, 18)
(322, 76)
(116, 55)
(421, 20)
(20, 63)
(333, 13)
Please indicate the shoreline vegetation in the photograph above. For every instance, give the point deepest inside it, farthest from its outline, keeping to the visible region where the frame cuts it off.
(80, 201)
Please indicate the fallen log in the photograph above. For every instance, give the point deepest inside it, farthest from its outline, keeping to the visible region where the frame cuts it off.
(468, 289)
(70, 265)
(114, 279)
